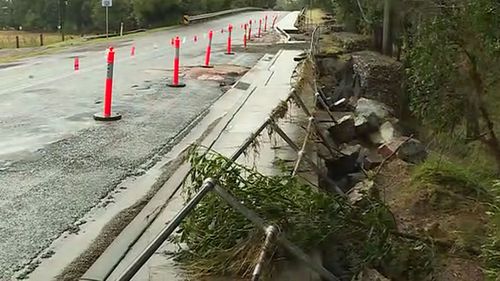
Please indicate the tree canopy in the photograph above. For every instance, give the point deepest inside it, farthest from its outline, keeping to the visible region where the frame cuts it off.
(88, 15)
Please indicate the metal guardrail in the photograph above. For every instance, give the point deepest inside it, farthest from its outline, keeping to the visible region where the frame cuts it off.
(315, 39)
(197, 18)
(210, 185)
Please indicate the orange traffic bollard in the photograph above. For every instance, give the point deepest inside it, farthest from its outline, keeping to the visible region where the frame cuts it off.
(175, 81)
(245, 37)
(108, 92)
(259, 34)
(76, 64)
(209, 50)
(250, 31)
(229, 40)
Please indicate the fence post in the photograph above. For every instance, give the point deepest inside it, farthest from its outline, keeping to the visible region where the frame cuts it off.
(41, 39)
(17, 41)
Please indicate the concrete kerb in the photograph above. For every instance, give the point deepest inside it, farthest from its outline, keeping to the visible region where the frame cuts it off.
(286, 35)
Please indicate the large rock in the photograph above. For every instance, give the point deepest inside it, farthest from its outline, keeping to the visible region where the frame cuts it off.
(347, 163)
(372, 160)
(408, 150)
(368, 107)
(366, 125)
(370, 275)
(344, 131)
(412, 151)
(386, 134)
(352, 42)
(380, 76)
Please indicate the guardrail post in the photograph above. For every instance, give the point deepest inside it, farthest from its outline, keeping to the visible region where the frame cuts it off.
(313, 165)
(271, 233)
(260, 223)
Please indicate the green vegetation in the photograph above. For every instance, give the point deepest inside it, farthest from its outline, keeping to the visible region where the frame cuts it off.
(220, 241)
(28, 39)
(451, 53)
(83, 16)
(491, 249)
(453, 177)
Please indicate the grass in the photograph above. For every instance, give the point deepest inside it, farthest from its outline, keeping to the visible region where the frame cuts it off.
(466, 198)
(57, 45)
(28, 39)
(317, 16)
(466, 180)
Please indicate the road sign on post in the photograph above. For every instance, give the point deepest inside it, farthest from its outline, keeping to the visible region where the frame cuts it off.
(107, 4)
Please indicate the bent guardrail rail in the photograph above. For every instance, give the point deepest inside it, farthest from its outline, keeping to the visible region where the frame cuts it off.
(210, 185)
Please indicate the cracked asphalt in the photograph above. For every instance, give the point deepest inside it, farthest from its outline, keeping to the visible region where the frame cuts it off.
(56, 162)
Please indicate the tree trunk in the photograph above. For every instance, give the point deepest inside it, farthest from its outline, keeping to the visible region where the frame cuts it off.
(490, 138)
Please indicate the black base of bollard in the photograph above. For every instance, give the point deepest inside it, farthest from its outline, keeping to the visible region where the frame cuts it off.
(230, 54)
(180, 85)
(101, 117)
(207, 66)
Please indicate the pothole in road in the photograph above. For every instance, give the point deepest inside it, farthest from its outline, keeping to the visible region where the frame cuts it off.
(217, 73)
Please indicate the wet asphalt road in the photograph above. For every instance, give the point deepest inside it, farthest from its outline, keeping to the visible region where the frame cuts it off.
(56, 162)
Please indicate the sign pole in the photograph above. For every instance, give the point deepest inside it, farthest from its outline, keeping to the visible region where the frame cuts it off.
(107, 20)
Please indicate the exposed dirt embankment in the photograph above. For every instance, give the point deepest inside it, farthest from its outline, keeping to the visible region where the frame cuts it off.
(440, 210)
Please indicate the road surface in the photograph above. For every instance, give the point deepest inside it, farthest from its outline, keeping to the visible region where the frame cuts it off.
(56, 162)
